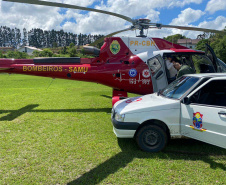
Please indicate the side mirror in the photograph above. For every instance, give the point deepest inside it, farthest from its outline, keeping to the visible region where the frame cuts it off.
(186, 101)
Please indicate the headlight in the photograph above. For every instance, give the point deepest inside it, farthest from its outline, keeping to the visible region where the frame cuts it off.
(119, 117)
(112, 113)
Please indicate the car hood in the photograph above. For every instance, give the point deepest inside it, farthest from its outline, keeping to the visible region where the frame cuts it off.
(151, 102)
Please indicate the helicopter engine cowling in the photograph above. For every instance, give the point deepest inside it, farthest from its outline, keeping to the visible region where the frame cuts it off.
(91, 50)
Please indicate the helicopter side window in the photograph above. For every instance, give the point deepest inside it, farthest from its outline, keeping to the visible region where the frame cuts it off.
(202, 64)
(154, 65)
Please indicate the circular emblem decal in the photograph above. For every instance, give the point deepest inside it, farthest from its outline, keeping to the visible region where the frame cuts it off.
(132, 73)
(115, 47)
(146, 73)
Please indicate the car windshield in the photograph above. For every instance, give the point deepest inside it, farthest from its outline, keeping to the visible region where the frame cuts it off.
(177, 88)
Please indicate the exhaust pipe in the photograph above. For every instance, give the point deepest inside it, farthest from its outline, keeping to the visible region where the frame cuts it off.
(91, 50)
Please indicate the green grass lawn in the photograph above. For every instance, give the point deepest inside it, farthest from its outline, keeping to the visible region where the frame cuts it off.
(62, 134)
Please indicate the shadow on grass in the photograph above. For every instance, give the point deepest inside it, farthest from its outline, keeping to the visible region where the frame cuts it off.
(105, 96)
(13, 114)
(187, 149)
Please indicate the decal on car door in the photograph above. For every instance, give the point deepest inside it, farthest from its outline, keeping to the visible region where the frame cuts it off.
(197, 122)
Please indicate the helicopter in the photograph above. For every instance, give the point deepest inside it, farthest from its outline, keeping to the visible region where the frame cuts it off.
(123, 63)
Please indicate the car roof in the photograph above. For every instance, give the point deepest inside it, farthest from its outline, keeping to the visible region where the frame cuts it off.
(206, 75)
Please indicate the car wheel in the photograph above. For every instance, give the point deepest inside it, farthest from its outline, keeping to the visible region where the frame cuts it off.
(151, 138)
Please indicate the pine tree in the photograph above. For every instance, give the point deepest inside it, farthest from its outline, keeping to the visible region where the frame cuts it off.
(25, 39)
(1, 37)
(17, 37)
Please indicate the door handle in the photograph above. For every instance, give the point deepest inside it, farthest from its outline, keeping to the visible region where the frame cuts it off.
(159, 74)
(222, 114)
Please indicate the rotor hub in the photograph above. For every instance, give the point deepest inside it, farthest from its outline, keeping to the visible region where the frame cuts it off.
(144, 23)
(141, 24)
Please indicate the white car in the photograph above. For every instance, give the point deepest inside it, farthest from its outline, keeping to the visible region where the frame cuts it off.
(193, 106)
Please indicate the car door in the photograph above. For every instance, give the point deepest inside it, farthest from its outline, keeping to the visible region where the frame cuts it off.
(158, 73)
(203, 117)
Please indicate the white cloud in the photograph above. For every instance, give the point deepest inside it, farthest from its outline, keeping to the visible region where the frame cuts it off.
(99, 23)
(34, 16)
(79, 2)
(179, 3)
(215, 5)
(219, 23)
(29, 16)
(187, 16)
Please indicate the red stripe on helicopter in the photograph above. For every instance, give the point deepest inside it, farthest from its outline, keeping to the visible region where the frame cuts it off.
(163, 44)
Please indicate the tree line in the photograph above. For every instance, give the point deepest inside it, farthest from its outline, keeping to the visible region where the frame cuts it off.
(13, 37)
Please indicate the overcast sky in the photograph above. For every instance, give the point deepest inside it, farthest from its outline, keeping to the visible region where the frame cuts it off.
(201, 13)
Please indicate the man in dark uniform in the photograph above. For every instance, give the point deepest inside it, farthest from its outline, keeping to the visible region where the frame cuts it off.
(182, 69)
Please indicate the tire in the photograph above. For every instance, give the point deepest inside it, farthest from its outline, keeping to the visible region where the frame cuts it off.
(151, 138)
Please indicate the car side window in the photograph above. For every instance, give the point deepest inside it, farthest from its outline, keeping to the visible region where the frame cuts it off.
(213, 93)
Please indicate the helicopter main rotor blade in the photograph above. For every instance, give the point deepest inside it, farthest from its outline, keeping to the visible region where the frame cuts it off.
(109, 35)
(192, 28)
(156, 25)
(61, 5)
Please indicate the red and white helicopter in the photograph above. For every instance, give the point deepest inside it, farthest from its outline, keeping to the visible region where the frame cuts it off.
(122, 63)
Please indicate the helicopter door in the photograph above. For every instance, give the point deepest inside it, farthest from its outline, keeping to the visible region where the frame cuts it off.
(158, 74)
(212, 56)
